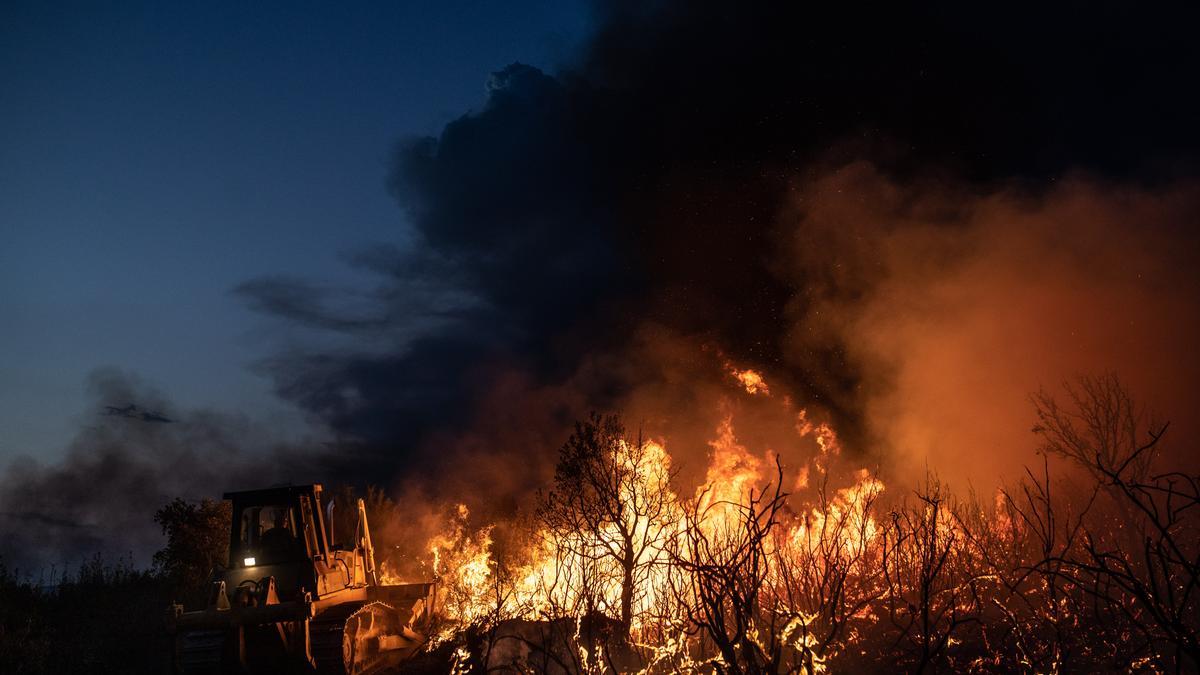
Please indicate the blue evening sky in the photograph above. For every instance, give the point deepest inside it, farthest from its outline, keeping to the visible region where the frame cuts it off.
(155, 154)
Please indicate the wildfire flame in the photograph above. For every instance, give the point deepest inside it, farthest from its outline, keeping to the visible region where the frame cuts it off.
(562, 572)
(795, 559)
(751, 381)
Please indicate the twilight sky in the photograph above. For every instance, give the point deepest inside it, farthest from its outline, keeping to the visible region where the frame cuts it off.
(443, 233)
(155, 155)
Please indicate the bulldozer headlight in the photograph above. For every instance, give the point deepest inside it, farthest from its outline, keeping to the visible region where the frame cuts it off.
(248, 562)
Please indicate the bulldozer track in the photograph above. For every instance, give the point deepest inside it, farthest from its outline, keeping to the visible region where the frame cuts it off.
(335, 651)
(327, 635)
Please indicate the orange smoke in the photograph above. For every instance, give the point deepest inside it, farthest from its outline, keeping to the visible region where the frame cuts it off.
(956, 305)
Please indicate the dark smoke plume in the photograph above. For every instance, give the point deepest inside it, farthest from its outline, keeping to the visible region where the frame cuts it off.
(656, 187)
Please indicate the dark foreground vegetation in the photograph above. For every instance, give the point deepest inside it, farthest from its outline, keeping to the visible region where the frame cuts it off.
(105, 617)
(108, 616)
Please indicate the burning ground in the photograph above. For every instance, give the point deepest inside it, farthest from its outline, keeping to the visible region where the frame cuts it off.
(821, 265)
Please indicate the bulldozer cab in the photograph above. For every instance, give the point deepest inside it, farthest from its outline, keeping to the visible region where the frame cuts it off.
(269, 534)
(278, 532)
(276, 525)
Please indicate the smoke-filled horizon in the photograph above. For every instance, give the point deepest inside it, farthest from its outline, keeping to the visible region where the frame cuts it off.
(908, 219)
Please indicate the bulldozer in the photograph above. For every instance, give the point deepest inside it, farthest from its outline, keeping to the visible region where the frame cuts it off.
(291, 600)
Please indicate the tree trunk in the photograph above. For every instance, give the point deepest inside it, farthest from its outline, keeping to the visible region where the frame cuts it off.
(627, 596)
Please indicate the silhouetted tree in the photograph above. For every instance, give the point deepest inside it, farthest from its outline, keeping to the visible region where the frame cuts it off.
(197, 541)
(615, 491)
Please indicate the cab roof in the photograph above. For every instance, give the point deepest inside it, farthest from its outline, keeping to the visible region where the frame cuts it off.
(273, 494)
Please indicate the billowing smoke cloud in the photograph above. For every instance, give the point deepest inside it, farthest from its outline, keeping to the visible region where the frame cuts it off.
(120, 468)
(676, 181)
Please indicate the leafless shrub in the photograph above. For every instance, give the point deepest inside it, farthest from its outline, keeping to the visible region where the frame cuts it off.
(934, 585)
(825, 576)
(725, 596)
(1138, 562)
